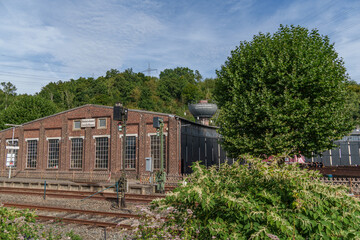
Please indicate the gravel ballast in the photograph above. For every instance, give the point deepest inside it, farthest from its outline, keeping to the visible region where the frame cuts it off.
(86, 232)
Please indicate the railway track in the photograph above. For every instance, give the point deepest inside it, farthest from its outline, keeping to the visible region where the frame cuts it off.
(135, 198)
(82, 222)
(68, 215)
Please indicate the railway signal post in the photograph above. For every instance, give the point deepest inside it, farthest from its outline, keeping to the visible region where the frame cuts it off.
(121, 115)
(158, 123)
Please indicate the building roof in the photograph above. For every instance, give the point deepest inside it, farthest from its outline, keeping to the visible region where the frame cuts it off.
(109, 107)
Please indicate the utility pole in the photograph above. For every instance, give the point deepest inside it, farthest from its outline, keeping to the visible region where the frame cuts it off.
(12, 147)
(149, 70)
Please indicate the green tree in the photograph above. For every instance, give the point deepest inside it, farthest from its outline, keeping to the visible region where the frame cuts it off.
(354, 100)
(26, 108)
(145, 101)
(207, 88)
(284, 92)
(173, 81)
(9, 91)
(191, 93)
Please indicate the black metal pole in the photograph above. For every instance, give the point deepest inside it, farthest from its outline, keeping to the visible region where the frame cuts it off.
(123, 188)
(45, 190)
(117, 194)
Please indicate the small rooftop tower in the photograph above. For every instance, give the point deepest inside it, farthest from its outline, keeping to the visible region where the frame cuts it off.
(203, 111)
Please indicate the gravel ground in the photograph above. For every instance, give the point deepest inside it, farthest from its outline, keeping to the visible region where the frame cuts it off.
(86, 232)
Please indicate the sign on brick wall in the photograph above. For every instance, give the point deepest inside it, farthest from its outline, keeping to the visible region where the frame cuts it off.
(88, 122)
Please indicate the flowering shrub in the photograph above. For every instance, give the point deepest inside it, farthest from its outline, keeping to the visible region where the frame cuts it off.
(20, 224)
(153, 224)
(257, 200)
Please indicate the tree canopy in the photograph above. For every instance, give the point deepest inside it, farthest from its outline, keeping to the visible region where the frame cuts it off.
(285, 92)
(26, 108)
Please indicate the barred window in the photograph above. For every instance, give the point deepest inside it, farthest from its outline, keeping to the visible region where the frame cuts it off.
(53, 153)
(155, 151)
(31, 153)
(12, 154)
(130, 152)
(102, 152)
(76, 153)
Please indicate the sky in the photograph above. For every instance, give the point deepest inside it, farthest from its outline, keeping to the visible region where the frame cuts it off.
(43, 41)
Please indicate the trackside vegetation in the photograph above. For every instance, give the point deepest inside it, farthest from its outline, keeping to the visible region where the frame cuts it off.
(256, 200)
(20, 224)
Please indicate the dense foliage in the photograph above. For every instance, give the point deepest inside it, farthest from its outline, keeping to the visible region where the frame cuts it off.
(354, 100)
(170, 93)
(20, 224)
(26, 108)
(256, 200)
(285, 92)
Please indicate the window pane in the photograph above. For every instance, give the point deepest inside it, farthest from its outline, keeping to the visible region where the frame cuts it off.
(102, 123)
(77, 125)
(53, 153)
(12, 154)
(31, 153)
(76, 153)
(130, 153)
(102, 152)
(155, 151)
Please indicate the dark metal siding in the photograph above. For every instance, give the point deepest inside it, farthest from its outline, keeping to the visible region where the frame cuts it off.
(354, 150)
(200, 143)
(340, 154)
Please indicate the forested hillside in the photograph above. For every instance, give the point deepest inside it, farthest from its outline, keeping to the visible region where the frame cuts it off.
(170, 93)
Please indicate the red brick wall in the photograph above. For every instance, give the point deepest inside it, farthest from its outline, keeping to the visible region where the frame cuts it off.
(140, 123)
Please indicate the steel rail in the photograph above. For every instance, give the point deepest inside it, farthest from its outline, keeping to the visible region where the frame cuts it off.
(70, 210)
(83, 193)
(82, 222)
(74, 196)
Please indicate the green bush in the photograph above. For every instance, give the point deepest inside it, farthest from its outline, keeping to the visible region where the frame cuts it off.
(258, 200)
(20, 224)
(14, 224)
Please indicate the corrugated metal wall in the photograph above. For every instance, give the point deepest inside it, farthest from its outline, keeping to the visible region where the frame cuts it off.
(200, 143)
(346, 153)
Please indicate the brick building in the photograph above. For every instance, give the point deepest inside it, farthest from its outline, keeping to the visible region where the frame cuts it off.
(86, 141)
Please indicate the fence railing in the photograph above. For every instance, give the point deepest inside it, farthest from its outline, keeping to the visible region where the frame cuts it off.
(103, 176)
(171, 179)
(58, 175)
(352, 183)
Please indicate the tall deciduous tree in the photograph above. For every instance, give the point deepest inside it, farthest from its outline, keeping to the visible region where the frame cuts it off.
(26, 108)
(284, 92)
(173, 81)
(9, 91)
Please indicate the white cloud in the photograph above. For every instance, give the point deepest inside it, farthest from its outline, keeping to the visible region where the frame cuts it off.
(69, 39)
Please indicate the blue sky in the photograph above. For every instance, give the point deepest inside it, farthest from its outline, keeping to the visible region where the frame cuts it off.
(44, 41)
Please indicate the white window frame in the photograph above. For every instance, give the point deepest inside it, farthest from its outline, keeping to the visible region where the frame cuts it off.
(51, 138)
(165, 153)
(27, 152)
(71, 137)
(98, 123)
(82, 152)
(48, 153)
(152, 134)
(108, 148)
(8, 151)
(75, 128)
